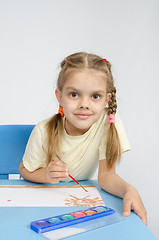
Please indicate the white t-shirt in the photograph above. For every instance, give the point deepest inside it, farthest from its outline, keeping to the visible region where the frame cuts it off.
(81, 154)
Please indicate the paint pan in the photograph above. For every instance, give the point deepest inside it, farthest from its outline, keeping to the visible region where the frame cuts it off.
(62, 226)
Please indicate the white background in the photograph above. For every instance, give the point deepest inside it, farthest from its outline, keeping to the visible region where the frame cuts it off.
(35, 35)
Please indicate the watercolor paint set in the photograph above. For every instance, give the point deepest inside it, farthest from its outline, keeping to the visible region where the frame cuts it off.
(48, 224)
(61, 226)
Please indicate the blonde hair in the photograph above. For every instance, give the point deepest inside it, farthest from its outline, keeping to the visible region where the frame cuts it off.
(81, 61)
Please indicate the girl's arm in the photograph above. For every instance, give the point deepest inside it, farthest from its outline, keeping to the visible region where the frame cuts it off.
(112, 183)
(55, 172)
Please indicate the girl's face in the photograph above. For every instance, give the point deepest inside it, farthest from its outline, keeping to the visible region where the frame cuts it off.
(83, 98)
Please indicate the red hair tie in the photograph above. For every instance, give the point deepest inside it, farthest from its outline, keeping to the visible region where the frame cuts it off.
(67, 59)
(104, 60)
(60, 111)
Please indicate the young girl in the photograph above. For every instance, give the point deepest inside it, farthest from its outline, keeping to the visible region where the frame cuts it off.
(84, 133)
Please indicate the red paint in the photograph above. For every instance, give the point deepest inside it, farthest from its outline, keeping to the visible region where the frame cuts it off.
(78, 214)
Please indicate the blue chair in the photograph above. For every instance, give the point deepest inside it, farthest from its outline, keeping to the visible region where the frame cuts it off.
(13, 140)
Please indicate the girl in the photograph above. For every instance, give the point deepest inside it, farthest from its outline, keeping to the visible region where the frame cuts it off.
(83, 134)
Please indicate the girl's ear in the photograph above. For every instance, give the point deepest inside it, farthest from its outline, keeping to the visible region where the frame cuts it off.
(58, 94)
(108, 97)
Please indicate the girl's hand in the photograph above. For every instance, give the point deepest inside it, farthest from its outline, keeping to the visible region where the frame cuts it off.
(56, 171)
(132, 201)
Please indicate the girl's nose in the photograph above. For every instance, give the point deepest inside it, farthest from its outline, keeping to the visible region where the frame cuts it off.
(84, 103)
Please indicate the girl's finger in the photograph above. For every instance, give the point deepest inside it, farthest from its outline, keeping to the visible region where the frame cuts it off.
(57, 166)
(56, 180)
(58, 174)
(126, 207)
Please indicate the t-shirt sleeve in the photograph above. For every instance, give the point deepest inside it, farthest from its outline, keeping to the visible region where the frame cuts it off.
(124, 143)
(35, 156)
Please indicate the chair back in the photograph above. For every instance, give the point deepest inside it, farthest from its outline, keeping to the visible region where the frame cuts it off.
(13, 140)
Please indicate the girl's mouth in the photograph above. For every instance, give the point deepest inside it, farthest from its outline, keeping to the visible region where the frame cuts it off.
(83, 116)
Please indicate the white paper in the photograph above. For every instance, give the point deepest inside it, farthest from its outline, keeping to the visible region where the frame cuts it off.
(49, 197)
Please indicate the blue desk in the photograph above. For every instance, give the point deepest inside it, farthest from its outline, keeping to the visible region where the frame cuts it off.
(15, 220)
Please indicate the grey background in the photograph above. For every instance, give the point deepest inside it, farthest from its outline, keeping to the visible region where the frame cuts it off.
(35, 35)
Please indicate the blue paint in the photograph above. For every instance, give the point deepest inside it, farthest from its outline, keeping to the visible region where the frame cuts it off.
(55, 220)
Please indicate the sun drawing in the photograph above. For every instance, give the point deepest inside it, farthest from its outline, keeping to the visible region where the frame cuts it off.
(85, 201)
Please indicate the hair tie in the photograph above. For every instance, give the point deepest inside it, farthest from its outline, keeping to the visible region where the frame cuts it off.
(60, 111)
(67, 59)
(104, 60)
(111, 118)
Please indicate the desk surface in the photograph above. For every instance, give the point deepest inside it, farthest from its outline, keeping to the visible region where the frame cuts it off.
(15, 220)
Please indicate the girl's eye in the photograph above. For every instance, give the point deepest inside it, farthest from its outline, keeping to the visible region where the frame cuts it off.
(96, 96)
(73, 95)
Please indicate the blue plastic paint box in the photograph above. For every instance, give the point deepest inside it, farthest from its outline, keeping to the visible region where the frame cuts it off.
(64, 220)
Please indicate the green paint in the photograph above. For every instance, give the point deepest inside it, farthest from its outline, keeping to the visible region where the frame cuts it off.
(68, 217)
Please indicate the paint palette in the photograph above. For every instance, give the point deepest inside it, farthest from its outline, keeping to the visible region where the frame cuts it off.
(65, 220)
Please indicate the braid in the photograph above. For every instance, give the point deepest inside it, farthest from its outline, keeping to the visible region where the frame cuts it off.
(54, 129)
(112, 105)
(113, 150)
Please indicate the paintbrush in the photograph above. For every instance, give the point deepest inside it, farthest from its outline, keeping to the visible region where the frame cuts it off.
(77, 182)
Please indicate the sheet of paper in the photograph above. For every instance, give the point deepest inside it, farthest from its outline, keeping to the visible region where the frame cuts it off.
(49, 197)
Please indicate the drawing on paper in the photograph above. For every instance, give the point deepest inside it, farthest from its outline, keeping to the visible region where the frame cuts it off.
(84, 201)
(49, 196)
